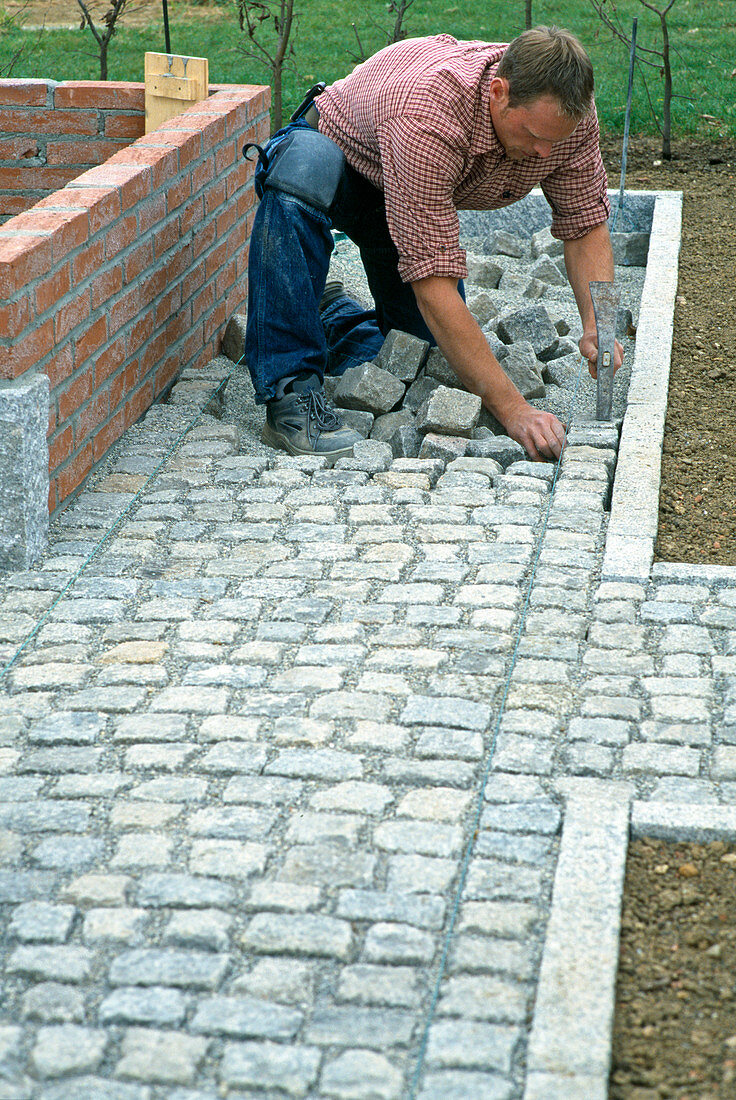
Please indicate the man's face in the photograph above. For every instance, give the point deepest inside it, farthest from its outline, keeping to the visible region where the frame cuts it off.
(532, 130)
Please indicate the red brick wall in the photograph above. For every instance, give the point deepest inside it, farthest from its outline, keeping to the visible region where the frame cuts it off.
(50, 133)
(128, 273)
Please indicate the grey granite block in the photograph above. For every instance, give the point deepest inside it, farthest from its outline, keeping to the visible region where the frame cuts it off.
(402, 355)
(531, 323)
(358, 419)
(483, 272)
(563, 371)
(449, 412)
(24, 470)
(384, 426)
(679, 822)
(544, 244)
(233, 340)
(419, 391)
(369, 388)
(447, 447)
(483, 306)
(438, 368)
(499, 447)
(548, 272)
(504, 243)
(405, 441)
(497, 346)
(522, 367)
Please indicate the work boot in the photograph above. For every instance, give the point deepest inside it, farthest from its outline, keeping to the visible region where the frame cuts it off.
(299, 421)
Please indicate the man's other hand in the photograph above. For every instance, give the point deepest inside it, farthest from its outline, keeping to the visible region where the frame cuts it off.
(541, 434)
(589, 350)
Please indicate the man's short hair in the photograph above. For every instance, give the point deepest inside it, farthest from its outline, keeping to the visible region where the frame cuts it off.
(548, 61)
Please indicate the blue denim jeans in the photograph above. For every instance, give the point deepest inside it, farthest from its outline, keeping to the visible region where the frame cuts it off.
(288, 261)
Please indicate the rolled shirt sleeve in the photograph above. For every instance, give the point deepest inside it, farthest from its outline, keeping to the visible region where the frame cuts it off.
(577, 190)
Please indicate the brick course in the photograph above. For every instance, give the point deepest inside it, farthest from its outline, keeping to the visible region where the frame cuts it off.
(127, 274)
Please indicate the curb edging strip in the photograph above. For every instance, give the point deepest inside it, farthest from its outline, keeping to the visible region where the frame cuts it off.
(569, 1052)
(632, 529)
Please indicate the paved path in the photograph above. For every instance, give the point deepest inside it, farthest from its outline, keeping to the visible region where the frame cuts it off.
(261, 831)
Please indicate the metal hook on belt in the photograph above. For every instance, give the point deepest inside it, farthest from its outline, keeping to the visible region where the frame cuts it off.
(312, 94)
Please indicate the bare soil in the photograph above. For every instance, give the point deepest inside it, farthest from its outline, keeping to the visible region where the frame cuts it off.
(675, 1026)
(137, 13)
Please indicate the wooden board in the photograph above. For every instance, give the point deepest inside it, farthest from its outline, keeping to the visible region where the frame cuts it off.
(172, 83)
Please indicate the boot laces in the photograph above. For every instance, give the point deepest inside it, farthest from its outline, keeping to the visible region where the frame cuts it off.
(320, 417)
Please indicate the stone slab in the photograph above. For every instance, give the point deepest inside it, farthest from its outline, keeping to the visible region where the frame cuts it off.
(573, 1016)
(627, 558)
(677, 822)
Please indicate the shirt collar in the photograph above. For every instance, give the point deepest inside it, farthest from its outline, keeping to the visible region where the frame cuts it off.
(483, 138)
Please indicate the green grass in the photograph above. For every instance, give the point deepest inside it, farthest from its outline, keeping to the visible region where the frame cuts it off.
(702, 34)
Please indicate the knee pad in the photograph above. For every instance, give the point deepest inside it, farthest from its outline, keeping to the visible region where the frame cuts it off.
(305, 164)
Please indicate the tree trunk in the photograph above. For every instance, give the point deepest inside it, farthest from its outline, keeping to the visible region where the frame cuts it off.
(278, 108)
(667, 95)
(528, 14)
(282, 47)
(400, 9)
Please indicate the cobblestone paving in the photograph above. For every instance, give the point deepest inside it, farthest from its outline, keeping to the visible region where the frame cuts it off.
(241, 760)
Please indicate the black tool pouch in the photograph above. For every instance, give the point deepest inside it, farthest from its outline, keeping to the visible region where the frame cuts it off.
(302, 163)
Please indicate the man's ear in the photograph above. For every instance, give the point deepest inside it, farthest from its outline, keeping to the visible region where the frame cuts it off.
(499, 91)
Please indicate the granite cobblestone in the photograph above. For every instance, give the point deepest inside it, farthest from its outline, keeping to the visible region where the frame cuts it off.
(240, 765)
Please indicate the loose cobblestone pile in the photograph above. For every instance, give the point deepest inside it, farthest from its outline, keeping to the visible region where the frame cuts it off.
(243, 762)
(518, 292)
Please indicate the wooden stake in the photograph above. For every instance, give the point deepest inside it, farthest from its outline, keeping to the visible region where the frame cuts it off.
(172, 83)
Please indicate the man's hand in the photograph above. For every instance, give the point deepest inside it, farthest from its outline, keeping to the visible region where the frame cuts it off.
(541, 434)
(590, 259)
(589, 350)
(466, 349)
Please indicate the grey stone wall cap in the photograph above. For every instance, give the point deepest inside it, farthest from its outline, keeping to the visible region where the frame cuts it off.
(32, 383)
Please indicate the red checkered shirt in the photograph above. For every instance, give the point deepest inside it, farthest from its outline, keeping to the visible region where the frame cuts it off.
(415, 120)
